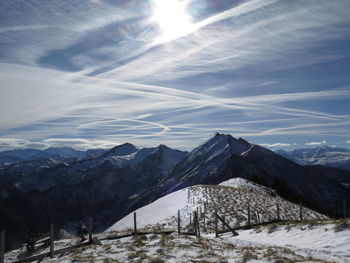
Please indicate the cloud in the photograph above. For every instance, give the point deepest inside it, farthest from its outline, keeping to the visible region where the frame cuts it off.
(247, 71)
(10, 144)
(242, 43)
(275, 145)
(348, 141)
(315, 143)
(81, 144)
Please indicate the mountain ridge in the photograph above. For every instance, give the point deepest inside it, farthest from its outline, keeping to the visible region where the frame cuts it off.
(108, 187)
(324, 155)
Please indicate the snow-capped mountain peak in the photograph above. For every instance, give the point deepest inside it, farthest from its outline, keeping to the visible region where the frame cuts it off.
(220, 143)
(323, 155)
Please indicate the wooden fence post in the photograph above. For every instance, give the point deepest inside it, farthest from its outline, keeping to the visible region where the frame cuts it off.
(216, 224)
(278, 211)
(301, 212)
(204, 226)
(178, 222)
(248, 215)
(90, 229)
(52, 236)
(135, 225)
(196, 225)
(344, 207)
(2, 246)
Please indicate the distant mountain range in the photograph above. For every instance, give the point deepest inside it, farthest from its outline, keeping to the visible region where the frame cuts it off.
(56, 153)
(323, 155)
(111, 184)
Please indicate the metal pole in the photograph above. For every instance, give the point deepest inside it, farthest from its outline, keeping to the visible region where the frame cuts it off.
(178, 222)
(52, 233)
(2, 246)
(90, 229)
(135, 226)
(278, 211)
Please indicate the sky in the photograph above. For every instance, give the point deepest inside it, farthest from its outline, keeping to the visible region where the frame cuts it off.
(98, 73)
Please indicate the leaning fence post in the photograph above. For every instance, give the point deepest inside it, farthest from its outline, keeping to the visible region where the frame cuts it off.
(278, 211)
(90, 229)
(301, 212)
(52, 232)
(2, 246)
(178, 222)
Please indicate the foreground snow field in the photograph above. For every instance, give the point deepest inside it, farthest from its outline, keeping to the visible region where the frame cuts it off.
(317, 239)
(324, 241)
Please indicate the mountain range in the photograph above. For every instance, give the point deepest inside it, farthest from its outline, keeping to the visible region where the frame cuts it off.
(111, 184)
(323, 155)
(56, 153)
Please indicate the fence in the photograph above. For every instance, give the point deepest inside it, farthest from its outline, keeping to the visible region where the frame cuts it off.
(195, 229)
(52, 250)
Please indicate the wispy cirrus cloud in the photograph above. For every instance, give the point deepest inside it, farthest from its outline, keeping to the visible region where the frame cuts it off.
(315, 143)
(275, 145)
(258, 70)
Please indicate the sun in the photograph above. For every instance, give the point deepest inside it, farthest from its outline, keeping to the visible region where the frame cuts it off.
(172, 19)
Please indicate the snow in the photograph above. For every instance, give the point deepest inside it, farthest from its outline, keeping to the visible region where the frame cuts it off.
(241, 182)
(321, 241)
(313, 243)
(158, 211)
(324, 155)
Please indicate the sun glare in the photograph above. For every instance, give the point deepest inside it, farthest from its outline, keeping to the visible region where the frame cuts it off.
(172, 19)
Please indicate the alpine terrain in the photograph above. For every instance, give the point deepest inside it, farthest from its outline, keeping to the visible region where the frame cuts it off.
(323, 155)
(114, 183)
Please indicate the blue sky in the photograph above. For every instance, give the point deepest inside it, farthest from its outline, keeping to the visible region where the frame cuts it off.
(97, 73)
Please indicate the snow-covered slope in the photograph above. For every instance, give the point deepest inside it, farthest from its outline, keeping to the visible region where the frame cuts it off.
(246, 184)
(315, 242)
(323, 155)
(160, 211)
(230, 199)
